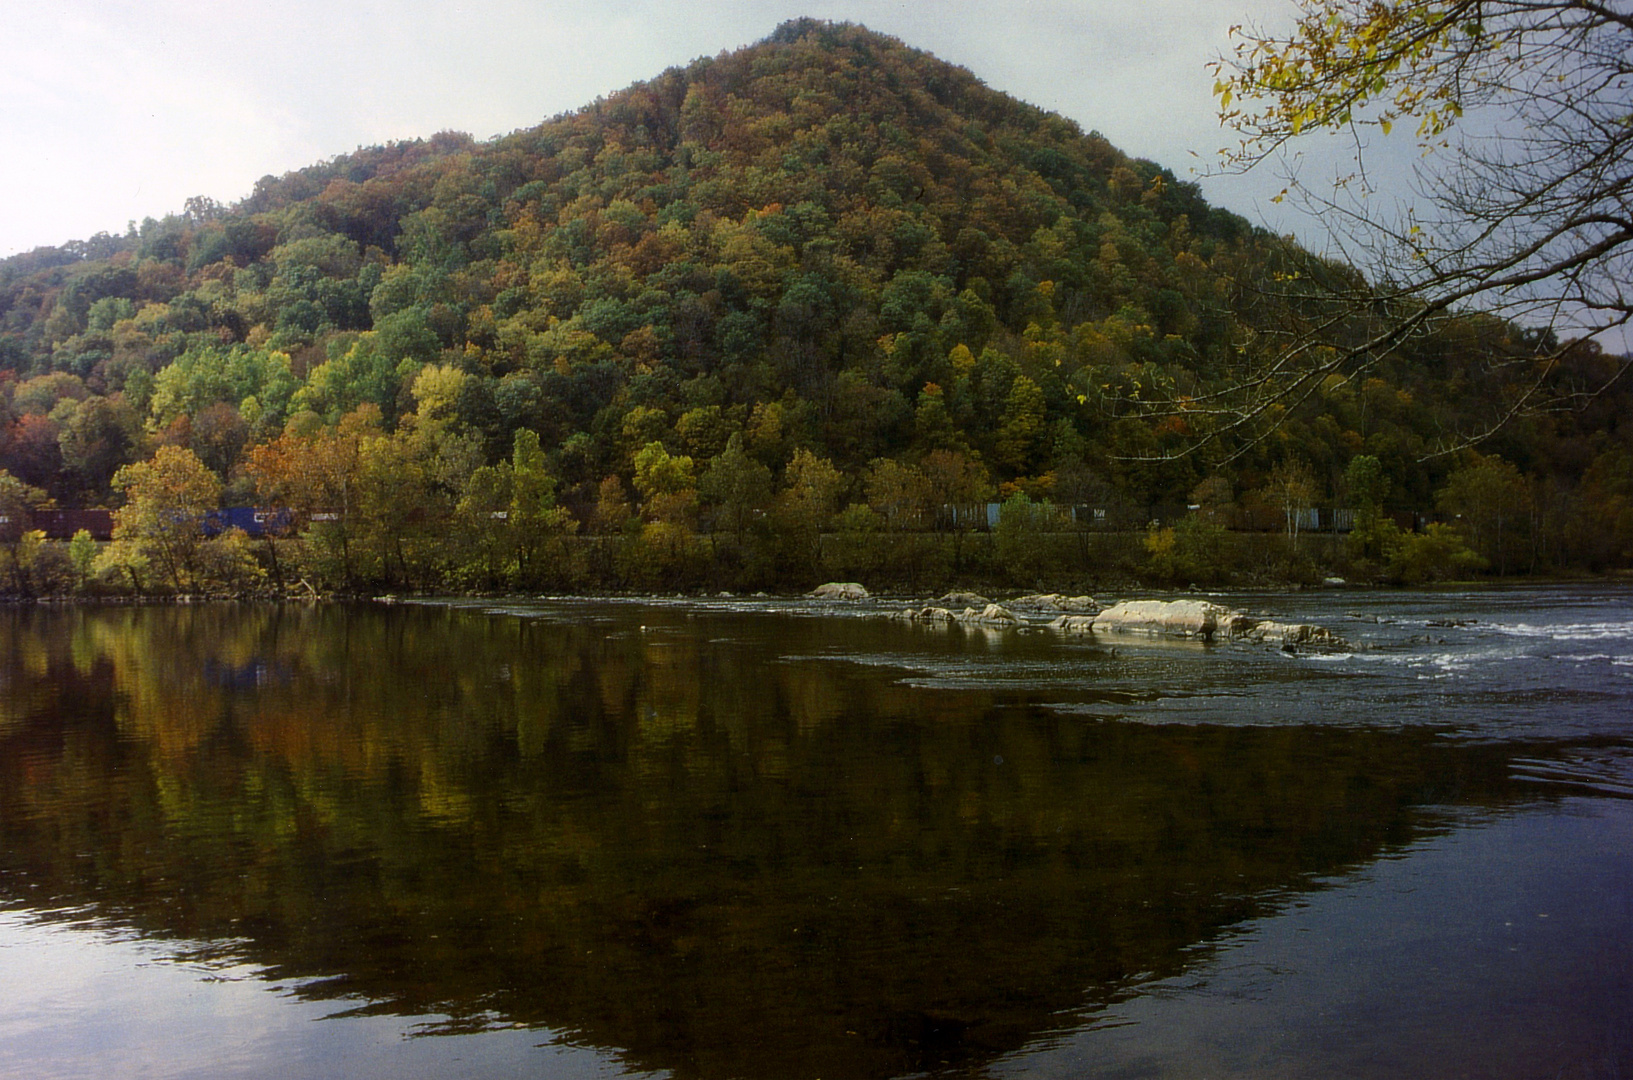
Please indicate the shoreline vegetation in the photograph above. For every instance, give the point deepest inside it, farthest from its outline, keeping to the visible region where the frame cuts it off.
(1003, 563)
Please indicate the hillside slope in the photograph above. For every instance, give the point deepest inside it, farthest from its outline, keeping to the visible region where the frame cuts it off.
(827, 247)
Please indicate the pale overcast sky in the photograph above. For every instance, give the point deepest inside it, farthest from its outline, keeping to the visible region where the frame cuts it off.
(113, 110)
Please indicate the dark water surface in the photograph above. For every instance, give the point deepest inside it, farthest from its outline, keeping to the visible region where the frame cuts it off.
(721, 839)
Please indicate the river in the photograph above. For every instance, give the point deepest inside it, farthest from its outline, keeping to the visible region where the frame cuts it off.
(737, 838)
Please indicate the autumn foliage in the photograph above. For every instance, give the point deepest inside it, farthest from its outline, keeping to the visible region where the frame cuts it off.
(671, 339)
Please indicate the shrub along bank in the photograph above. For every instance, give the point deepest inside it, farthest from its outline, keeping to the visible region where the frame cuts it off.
(1033, 547)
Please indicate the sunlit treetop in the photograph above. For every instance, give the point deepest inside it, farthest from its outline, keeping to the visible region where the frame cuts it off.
(1378, 62)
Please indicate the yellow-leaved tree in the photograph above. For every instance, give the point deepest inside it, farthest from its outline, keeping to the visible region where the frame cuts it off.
(1521, 207)
(161, 525)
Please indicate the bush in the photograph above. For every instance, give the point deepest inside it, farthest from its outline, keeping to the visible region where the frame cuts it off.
(663, 556)
(227, 563)
(855, 550)
(1197, 551)
(1029, 541)
(1437, 554)
(82, 554)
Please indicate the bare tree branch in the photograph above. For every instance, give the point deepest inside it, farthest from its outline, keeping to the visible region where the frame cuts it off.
(1527, 219)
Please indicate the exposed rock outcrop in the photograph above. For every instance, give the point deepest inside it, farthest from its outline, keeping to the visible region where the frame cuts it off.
(839, 590)
(990, 615)
(1162, 618)
(1055, 602)
(1199, 620)
(963, 599)
(928, 614)
(1291, 636)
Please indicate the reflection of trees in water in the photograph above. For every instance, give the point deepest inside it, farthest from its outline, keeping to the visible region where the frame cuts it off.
(661, 839)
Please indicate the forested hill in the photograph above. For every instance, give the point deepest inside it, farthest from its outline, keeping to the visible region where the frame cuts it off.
(825, 257)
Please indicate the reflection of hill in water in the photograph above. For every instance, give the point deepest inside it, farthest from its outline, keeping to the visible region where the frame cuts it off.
(663, 841)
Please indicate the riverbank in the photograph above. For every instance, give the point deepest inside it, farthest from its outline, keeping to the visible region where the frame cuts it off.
(1124, 588)
(327, 565)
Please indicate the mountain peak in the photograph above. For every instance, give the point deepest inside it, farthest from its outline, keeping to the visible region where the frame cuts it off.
(807, 27)
(826, 246)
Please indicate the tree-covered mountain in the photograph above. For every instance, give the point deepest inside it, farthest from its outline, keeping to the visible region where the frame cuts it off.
(826, 282)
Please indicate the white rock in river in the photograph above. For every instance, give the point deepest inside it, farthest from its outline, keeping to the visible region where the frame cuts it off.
(966, 599)
(1287, 635)
(1198, 619)
(991, 615)
(928, 614)
(839, 590)
(1163, 618)
(1055, 602)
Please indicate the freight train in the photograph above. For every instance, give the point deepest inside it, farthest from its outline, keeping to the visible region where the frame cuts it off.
(63, 524)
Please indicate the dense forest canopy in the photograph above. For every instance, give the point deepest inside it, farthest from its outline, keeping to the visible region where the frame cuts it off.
(823, 282)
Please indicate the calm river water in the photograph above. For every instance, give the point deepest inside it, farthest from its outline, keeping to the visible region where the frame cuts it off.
(772, 839)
